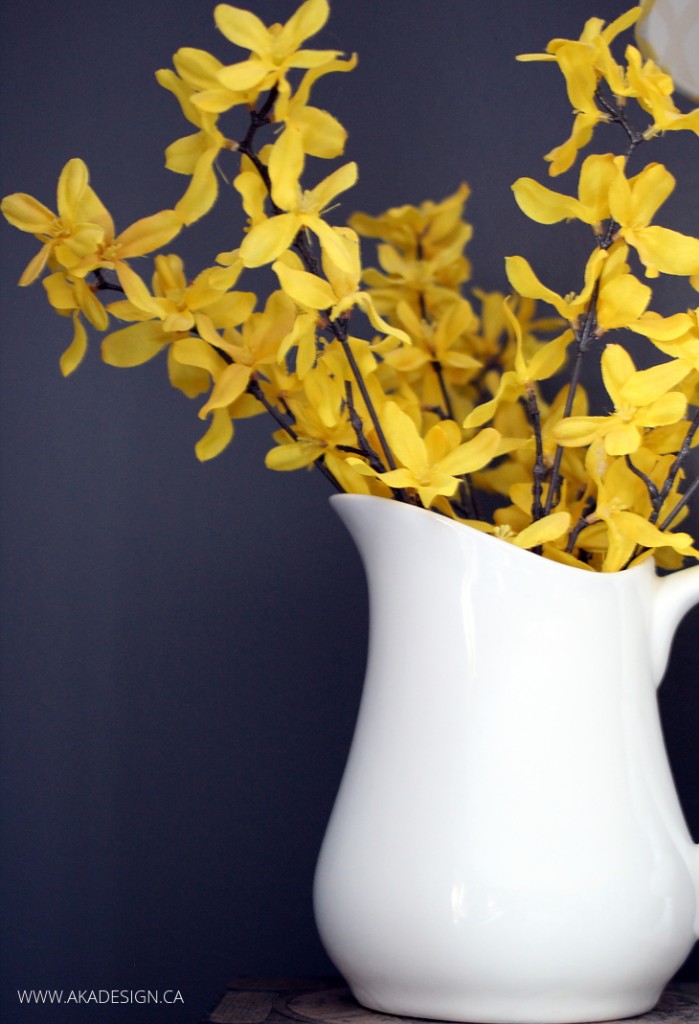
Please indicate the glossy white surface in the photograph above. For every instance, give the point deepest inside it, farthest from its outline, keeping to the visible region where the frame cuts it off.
(669, 32)
(507, 844)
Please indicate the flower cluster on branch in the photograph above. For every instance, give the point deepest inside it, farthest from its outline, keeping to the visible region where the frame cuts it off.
(404, 379)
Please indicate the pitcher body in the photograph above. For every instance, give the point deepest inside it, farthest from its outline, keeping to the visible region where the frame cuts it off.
(507, 844)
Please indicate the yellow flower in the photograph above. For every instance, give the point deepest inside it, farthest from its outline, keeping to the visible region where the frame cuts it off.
(182, 305)
(321, 134)
(620, 298)
(196, 154)
(337, 295)
(633, 202)
(592, 205)
(269, 238)
(422, 254)
(68, 235)
(315, 439)
(515, 383)
(676, 335)
(72, 297)
(618, 492)
(431, 465)
(642, 398)
(177, 309)
(81, 237)
(653, 90)
(583, 63)
(249, 350)
(418, 232)
(204, 96)
(274, 50)
(540, 533)
(436, 344)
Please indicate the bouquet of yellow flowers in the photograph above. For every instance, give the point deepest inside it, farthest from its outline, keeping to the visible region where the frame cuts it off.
(404, 379)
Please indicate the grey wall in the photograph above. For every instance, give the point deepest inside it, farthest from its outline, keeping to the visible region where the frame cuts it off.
(182, 645)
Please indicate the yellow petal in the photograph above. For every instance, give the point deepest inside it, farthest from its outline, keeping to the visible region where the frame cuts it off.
(229, 386)
(202, 191)
(217, 101)
(639, 530)
(543, 205)
(217, 437)
(549, 359)
(253, 194)
(649, 189)
(293, 455)
(596, 175)
(563, 157)
(322, 134)
(659, 328)
(71, 187)
(620, 195)
(303, 92)
(617, 367)
(364, 300)
(671, 408)
(312, 58)
(304, 23)
(60, 293)
(473, 454)
(403, 438)
(27, 213)
(195, 352)
(332, 244)
(344, 282)
(508, 389)
(578, 430)
(393, 478)
(35, 265)
(242, 77)
(620, 24)
(581, 79)
(526, 283)
(197, 67)
(149, 233)
(327, 190)
(136, 291)
(269, 239)
(190, 380)
(232, 309)
(669, 252)
(621, 301)
(242, 28)
(75, 352)
(623, 439)
(407, 360)
(647, 386)
(286, 162)
(134, 345)
(305, 289)
(543, 531)
(91, 305)
(93, 212)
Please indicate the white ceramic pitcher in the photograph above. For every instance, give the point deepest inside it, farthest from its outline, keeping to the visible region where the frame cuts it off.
(507, 844)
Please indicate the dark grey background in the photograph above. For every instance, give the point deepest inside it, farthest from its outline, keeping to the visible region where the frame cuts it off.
(183, 645)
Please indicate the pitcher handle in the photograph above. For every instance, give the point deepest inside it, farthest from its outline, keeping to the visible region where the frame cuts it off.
(675, 595)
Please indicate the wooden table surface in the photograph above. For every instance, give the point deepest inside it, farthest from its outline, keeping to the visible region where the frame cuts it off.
(328, 1001)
